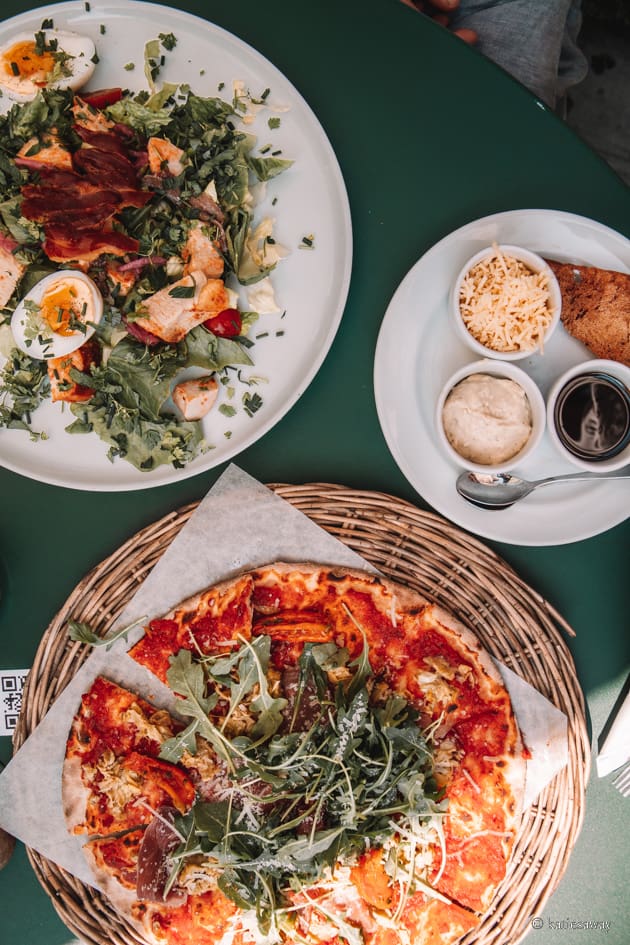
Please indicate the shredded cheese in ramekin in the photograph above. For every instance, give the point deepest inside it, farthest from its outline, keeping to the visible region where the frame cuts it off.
(504, 304)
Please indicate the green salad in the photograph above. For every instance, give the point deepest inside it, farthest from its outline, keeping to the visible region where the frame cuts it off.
(149, 196)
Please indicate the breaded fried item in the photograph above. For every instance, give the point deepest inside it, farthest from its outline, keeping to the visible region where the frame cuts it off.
(596, 308)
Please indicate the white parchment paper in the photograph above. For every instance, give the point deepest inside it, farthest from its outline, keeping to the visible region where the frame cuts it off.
(239, 525)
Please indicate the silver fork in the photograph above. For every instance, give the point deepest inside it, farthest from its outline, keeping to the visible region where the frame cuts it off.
(622, 781)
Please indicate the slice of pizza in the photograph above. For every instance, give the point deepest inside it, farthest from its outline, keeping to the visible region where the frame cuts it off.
(112, 776)
(207, 623)
(296, 604)
(126, 868)
(113, 718)
(478, 752)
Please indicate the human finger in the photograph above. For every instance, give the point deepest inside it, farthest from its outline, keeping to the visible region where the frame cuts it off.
(468, 36)
(445, 6)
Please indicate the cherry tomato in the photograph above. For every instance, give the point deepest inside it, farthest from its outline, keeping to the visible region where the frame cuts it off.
(227, 324)
(101, 98)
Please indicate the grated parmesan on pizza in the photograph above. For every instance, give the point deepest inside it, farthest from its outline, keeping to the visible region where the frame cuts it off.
(504, 304)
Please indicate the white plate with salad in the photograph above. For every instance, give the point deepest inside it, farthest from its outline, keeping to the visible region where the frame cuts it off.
(207, 188)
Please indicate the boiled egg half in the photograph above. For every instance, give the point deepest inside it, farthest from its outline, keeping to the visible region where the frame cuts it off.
(58, 315)
(48, 59)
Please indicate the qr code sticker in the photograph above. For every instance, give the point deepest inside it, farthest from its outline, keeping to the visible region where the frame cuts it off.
(11, 688)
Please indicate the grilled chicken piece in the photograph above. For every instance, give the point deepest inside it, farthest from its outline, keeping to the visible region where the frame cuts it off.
(201, 254)
(164, 157)
(85, 116)
(44, 151)
(11, 270)
(213, 299)
(195, 397)
(171, 313)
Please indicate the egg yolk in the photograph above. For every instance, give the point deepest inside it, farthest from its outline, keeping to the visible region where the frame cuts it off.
(61, 307)
(22, 60)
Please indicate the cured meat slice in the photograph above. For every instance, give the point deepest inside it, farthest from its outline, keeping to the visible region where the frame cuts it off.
(106, 168)
(84, 208)
(86, 245)
(160, 838)
(103, 140)
(102, 180)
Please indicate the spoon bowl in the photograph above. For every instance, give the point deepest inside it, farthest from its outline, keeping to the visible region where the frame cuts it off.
(502, 490)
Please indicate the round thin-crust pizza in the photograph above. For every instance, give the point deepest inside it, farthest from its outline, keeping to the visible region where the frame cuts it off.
(345, 767)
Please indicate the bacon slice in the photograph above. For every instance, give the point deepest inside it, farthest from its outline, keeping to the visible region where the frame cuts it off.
(101, 98)
(107, 168)
(75, 203)
(54, 178)
(84, 208)
(58, 186)
(103, 140)
(141, 334)
(85, 245)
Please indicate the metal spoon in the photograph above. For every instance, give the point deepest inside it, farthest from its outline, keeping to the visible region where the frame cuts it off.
(501, 490)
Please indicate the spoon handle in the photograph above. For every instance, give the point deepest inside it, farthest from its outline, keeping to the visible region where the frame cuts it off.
(577, 477)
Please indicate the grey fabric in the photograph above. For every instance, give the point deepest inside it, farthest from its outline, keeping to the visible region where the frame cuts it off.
(533, 40)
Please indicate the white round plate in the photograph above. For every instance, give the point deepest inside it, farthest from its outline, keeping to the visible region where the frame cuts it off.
(418, 350)
(311, 285)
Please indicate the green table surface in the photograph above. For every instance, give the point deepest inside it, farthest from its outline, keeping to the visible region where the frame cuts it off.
(429, 136)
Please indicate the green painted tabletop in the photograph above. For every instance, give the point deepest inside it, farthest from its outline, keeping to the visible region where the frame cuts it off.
(429, 136)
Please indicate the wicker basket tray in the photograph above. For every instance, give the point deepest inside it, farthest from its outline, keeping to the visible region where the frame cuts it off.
(414, 547)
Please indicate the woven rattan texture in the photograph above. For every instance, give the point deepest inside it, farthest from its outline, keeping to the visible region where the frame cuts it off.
(425, 552)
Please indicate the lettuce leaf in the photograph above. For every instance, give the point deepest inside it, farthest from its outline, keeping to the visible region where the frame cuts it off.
(144, 443)
(146, 120)
(205, 350)
(267, 167)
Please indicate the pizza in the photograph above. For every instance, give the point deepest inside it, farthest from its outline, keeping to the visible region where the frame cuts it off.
(345, 767)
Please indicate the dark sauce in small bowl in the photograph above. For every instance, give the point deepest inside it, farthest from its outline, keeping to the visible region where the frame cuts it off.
(592, 416)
